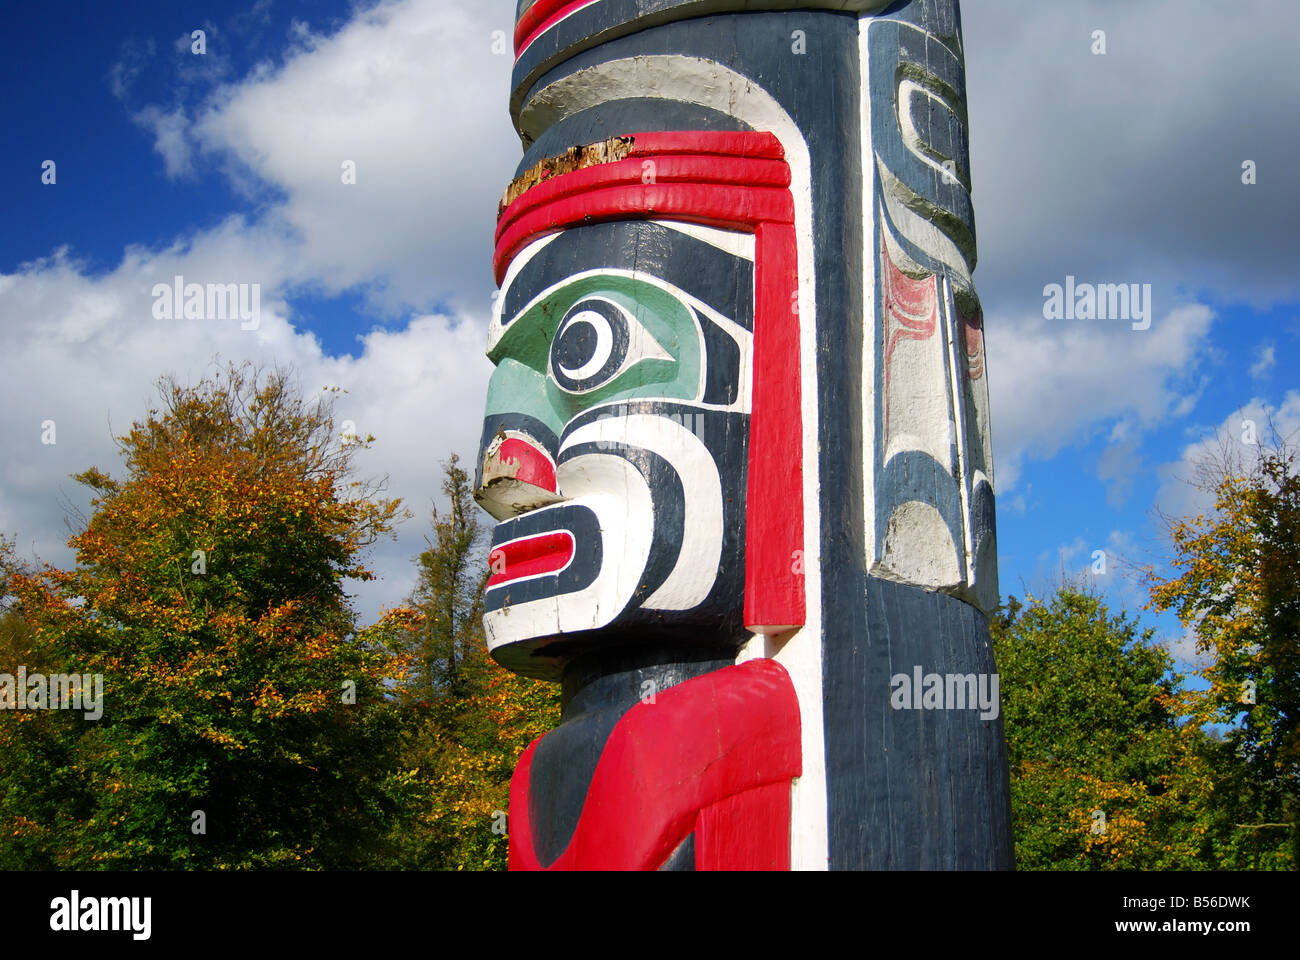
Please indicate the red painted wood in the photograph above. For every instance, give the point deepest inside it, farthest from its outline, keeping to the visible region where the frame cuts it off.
(748, 831)
(774, 561)
(706, 740)
(530, 557)
(667, 169)
(540, 17)
(728, 207)
(973, 330)
(708, 142)
(534, 466)
(911, 313)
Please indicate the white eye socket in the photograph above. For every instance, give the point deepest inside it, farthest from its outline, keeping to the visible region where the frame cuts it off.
(596, 341)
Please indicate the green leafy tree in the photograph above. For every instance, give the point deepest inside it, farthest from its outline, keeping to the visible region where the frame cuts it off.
(16, 634)
(449, 592)
(1090, 710)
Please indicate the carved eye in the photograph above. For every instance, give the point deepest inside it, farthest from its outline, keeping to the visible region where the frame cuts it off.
(597, 340)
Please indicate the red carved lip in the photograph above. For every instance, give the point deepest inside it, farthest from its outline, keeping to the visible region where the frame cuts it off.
(530, 557)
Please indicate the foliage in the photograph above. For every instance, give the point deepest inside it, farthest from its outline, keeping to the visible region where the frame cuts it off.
(470, 718)
(1238, 588)
(209, 592)
(1090, 713)
(449, 592)
(1107, 770)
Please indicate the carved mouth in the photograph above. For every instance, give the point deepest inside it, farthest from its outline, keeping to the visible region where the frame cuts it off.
(532, 556)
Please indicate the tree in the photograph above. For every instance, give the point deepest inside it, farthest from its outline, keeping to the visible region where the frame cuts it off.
(469, 719)
(16, 635)
(1238, 590)
(449, 593)
(245, 722)
(1090, 710)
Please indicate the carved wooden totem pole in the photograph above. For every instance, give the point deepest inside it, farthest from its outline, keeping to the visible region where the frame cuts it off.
(737, 441)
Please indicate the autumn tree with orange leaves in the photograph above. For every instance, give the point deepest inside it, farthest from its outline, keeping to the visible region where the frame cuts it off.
(1237, 591)
(245, 722)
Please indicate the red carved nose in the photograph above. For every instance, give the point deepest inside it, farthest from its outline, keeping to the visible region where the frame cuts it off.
(533, 466)
(518, 475)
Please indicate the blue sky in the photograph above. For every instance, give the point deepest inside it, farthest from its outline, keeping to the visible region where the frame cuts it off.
(1115, 168)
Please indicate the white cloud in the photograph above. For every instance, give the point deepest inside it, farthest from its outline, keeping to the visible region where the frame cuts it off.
(1127, 167)
(84, 351)
(1179, 494)
(1109, 567)
(1053, 381)
(412, 93)
(1182, 646)
(1266, 359)
(171, 139)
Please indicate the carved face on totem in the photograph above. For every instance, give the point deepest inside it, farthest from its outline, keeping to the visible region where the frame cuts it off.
(615, 440)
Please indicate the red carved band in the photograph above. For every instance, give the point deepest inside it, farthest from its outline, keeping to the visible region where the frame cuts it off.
(708, 143)
(705, 160)
(725, 206)
(540, 17)
(911, 313)
(973, 328)
(702, 750)
(644, 172)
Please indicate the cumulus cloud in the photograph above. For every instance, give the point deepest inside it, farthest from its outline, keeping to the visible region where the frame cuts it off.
(1238, 438)
(88, 357)
(1109, 567)
(412, 93)
(170, 130)
(409, 93)
(1127, 167)
(1052, 382)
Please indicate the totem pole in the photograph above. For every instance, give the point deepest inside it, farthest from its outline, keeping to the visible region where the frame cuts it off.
(737, 441)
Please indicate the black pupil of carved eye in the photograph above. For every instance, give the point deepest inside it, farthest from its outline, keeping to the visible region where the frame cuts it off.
(577, 345)
(590, 346)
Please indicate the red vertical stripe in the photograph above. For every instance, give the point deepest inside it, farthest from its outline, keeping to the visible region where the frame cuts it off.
(774, 560)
